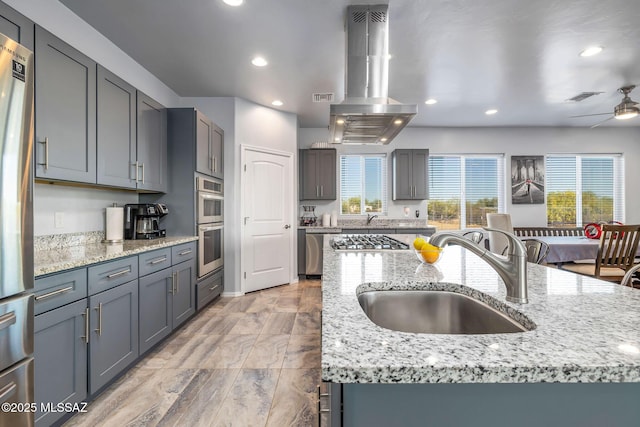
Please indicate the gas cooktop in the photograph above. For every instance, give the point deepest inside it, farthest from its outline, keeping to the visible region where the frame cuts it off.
(367, 242)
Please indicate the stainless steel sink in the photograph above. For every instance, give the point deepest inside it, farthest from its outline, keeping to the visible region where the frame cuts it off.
(435, 312)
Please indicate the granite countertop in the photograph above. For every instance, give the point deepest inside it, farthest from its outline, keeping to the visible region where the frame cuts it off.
(53, 260)
(587, 330)
(377, 223)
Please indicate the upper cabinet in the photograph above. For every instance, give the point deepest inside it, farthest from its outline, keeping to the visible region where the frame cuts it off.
(16, 26)
(117, 161)
(410, 168)
(152, 144)
(318, 174)
(209, 147)
(65, 107)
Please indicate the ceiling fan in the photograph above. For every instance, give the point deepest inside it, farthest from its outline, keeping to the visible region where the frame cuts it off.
(627, 109)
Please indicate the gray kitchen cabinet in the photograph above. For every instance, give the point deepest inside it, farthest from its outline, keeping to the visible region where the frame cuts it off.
(65, 111)
(318, 174)
(60, 349)
(209, 146)
(16, 26)
(209, 288)
(59, 289)
(410, 168)
(113, 334)
(117, 162)
(167, 299)
(302, 252)
(151, 151)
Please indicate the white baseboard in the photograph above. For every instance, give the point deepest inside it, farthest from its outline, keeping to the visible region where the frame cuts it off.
(232, 294)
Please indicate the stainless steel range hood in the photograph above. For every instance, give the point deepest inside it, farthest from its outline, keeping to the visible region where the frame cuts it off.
(368, 115)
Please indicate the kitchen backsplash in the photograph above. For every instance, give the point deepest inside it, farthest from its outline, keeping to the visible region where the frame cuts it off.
(63, 209)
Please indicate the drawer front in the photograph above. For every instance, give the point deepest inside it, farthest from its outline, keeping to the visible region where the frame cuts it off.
(111, 274)
(209, 289)
(60, 289)
(16, 329)
(16, 386)
(183, 252)
(153, 261)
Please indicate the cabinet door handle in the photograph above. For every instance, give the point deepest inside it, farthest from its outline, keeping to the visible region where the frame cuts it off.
(86, 325)
(213, 287)
(7, 320)
(135, 166)
(99, 310)
(215, 164)
(173, 284)
(54, 293)
(7, 391)
(322, 191)
(317, 191)
(119, 273)
(211, 163)
(187, 252)
(158, 261)
(177, 282)
(46, 153)
(142, 164)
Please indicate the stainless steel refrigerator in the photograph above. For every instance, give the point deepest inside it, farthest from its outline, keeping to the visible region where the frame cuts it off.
(16, 235)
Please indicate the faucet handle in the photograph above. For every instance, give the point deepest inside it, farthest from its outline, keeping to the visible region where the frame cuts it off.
(516, 247)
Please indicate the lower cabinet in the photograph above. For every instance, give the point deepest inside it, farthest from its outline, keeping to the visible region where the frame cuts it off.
(113, 342)
(209, 288)
(60, 346)
(167, 299)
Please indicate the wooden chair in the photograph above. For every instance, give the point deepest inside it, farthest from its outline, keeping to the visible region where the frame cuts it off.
(499, 221)
(627, 280)
(618, 246)
(537, 250)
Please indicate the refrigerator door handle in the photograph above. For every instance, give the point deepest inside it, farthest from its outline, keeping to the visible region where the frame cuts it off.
(7, 320)
(7, 391)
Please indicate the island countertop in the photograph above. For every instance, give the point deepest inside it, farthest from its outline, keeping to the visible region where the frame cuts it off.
(587, 330)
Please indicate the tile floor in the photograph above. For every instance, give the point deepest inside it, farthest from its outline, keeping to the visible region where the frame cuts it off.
(246, 361)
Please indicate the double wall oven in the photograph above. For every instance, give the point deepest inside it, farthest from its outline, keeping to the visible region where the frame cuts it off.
(210, 208)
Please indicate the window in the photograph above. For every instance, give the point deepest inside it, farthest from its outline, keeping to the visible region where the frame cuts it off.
(463, 189)
(363, 184)
(584, 188)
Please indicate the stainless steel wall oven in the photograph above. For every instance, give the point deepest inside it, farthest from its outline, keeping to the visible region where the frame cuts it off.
(210, 225)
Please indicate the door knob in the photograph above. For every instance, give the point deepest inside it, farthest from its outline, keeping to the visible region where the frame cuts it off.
(287, 226)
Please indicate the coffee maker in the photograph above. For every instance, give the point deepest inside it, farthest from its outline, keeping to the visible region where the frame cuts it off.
(142, 221)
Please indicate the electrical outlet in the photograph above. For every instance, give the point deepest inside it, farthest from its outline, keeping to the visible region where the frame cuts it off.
(58, 220)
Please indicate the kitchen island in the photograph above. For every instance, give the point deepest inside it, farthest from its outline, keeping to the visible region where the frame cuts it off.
(580, 365)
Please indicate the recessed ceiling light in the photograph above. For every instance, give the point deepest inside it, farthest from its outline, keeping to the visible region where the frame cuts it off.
(259, 61)
(383, 139)
(431, 101)
(277, 103)
(340, 121)
(397, 121)
(490, 112)
(591, 50)
(233, 2)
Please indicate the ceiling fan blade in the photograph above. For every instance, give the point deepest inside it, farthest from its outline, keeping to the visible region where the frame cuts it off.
(605, 120)
(588, 115)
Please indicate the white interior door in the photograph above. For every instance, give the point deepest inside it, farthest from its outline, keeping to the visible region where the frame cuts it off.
(267, 189)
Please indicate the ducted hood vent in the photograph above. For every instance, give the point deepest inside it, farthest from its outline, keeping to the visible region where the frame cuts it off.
(368, 115)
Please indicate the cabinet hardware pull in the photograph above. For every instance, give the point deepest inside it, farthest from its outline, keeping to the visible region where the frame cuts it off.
(46, 153)
(213, 287)
(142, 172)
(177, 282)
(135, 166)
(7, 391)
(54, 293)
(215, 164)
(187, 252)
(322, 191)
(317, 191)
(86, 325)
(119, 273)
(211, 163)
(7, 320)
(173, 284)
(99, 309)
(158, 261)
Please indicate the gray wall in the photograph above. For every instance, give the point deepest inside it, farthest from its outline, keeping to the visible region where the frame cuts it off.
(509, 141)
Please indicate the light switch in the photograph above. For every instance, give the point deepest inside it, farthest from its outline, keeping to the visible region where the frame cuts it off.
(58, 220)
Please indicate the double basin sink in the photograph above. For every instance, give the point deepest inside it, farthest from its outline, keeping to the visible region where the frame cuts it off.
(435, 312)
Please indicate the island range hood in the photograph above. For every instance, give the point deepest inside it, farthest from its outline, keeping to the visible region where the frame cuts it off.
(367, 115)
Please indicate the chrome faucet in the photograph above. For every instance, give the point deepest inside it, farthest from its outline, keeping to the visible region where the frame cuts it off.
(512, 269)
(370, 218)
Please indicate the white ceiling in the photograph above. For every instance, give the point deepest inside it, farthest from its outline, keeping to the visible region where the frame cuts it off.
(518, 56)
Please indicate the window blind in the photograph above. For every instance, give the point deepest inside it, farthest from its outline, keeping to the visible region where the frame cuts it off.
(363, 184)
